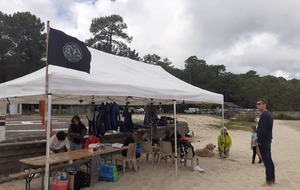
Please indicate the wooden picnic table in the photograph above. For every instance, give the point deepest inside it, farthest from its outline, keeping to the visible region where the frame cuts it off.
(62, 158)
(66, 156)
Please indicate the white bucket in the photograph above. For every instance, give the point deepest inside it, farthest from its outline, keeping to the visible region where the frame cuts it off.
(2, 127)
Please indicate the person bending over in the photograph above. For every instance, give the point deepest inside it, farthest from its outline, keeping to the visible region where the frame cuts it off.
(59, 143)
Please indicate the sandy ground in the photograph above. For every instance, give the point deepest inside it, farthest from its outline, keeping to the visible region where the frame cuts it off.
(235, 172)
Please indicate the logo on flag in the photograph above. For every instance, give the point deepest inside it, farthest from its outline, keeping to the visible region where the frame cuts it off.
(72, 52)
(67, 51)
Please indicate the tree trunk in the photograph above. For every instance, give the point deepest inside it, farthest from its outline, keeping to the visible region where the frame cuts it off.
(110, 42)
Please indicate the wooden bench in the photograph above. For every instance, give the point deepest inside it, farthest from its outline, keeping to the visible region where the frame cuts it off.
(30, 174)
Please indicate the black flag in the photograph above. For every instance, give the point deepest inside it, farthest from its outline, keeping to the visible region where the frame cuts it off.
(67, 51)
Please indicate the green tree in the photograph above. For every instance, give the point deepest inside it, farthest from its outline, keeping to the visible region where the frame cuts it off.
(293, 90)
(132, 54)
(248, 89)
(196, 72)
(229, 87)
(109, 34)
(24, 45)
(164, 63)
(151, 59)
(199, 74)
(5, 46)
(126, 51)
(242, 89)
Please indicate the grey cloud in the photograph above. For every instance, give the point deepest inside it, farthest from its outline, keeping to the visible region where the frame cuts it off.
(220, 32)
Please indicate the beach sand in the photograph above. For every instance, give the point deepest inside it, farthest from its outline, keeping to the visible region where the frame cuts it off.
(233, 173)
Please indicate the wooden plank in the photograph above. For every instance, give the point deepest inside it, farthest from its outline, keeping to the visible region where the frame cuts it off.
(21, 145)
(66, 156)
(14, 167)
(16, 158)
(28, 151)
(22, 175)
(10, 167)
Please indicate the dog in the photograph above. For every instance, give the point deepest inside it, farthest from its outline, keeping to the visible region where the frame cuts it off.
(207, 151)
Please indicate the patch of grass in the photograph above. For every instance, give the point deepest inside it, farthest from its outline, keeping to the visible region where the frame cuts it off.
(235, 125)
(239, 125)
(282, 116)
(240, 122)
(246, 118)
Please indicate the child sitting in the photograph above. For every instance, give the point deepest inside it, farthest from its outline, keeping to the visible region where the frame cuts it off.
(92, 139)
(145, 136)
(224, 143)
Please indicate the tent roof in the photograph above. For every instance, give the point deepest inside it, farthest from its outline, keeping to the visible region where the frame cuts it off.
(111, 77)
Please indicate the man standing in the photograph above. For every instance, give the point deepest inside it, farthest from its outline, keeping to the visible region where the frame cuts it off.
(264, 139)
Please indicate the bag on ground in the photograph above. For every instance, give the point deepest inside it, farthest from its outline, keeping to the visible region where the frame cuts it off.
(59, 181)
(83, 179)
(108, 172)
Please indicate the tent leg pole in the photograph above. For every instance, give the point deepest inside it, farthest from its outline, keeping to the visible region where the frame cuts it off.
(151, 139)
(223, 114)
(223, 135)
(46, 176)
(175, 130)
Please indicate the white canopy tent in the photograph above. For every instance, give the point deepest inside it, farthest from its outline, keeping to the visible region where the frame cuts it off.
(111, 77)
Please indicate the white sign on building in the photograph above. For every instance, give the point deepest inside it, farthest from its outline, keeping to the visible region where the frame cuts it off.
(15, 109)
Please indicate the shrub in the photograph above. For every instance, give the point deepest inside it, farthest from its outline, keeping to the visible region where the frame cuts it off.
(228, 115)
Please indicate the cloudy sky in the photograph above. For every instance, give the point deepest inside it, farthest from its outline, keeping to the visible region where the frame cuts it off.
(243, 35)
